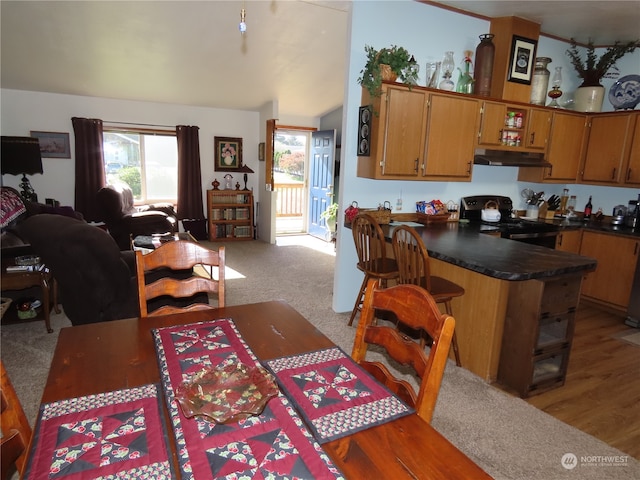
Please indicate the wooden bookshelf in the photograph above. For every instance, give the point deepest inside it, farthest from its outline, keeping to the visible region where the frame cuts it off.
(230, 214)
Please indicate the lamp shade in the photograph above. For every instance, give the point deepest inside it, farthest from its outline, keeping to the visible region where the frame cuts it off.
(245, 169)
(20, 155)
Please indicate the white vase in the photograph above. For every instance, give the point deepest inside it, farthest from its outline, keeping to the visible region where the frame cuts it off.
(589, 99)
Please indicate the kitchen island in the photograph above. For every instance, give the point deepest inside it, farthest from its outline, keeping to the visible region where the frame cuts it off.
(515, 321)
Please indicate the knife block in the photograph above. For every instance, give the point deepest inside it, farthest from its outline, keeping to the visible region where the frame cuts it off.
(545, 213)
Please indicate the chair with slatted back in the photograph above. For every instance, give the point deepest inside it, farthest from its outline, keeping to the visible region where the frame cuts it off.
(372, 256)
(413, 268)
(16, 431)
(415, 307)
(166, 276)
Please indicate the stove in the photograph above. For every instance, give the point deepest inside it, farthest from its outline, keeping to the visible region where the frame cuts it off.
(528, 231)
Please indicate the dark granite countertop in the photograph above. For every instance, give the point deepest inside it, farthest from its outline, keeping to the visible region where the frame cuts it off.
(602, 227)
(462, 245)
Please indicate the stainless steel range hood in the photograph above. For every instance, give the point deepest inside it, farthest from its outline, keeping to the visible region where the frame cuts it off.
(509, 159)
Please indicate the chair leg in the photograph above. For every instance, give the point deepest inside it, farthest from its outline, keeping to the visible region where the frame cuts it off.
(356, 307)
(454, 340)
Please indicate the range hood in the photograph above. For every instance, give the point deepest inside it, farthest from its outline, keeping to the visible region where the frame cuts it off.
(509, 159)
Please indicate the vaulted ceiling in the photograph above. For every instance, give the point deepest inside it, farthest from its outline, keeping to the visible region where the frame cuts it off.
(191, 52)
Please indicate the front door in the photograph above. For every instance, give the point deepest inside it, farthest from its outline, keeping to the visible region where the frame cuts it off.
(321, 166)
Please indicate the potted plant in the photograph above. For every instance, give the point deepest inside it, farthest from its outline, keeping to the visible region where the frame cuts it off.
(330, 215)
(387, 64)
(590, 94)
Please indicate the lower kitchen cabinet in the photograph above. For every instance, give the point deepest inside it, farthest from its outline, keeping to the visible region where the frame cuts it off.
(569, 241)
(538, 332)
(617, 258)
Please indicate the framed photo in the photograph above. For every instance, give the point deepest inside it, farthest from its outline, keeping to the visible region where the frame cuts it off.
(522, 60)
(228, 154)
(261, 151)
(53, 144)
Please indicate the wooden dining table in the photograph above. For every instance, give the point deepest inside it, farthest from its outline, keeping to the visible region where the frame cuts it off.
(102, 357)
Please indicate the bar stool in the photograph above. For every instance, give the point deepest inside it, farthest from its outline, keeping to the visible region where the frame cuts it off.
(372, 256)
(412, 259)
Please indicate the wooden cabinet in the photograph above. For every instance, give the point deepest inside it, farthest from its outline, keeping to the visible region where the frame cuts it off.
(564, 151)
(632, 175)
(450, 140)
(230, 214)
(538, 332)
(617, 257)
(608, 147)
(398, 129)
(569, 241)
(510, 127)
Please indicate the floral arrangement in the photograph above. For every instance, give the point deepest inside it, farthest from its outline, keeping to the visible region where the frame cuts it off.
(593, 70)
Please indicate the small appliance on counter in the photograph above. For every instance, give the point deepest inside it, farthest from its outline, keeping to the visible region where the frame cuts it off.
(619, 215)
(633, 214)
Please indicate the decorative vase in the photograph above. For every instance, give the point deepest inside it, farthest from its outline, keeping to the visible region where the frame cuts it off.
(483, 71)
(540, 81)
(589, 99)
(465, 80)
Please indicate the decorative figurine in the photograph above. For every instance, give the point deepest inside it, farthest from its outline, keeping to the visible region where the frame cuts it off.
(215, 184)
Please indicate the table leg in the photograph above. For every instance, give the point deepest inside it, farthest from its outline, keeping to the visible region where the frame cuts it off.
(54, 293)
(46, 306)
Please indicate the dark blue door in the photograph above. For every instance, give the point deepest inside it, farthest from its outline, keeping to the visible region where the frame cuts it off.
(321, 167)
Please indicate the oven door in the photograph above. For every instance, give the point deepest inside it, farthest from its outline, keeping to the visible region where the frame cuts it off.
(544, 239)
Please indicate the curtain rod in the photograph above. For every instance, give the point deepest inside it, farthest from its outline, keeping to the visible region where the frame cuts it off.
(139, 124)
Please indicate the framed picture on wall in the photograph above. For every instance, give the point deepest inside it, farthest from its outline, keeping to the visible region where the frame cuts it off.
(228, 154)
(53, 144)
(522, 60)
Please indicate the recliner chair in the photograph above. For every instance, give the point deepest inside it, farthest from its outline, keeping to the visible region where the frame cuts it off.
(125, 222)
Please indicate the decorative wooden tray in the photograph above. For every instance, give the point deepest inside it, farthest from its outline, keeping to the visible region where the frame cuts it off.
(432, 219)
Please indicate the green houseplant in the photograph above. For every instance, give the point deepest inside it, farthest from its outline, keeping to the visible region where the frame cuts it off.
(399, 61)
(592, 70)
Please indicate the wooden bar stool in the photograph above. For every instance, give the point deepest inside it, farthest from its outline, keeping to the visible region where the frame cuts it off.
(372, 256)
(413, 267)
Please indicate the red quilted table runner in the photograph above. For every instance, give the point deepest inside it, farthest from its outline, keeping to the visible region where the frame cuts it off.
(334, 394)
(272, 445)
(111, 435)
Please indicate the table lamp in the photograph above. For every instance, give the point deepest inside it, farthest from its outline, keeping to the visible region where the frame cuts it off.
(21, 155)
(245, 169)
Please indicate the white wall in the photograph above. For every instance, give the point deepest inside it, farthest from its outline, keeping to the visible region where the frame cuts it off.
(427, 32)
(23, 111)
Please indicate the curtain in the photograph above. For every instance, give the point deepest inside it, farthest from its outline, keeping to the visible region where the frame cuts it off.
(90, 176)
(189, 174)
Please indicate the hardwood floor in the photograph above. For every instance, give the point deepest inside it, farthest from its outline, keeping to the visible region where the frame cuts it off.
(601, 395)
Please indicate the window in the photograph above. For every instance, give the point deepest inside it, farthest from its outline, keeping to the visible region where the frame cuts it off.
(145, 160)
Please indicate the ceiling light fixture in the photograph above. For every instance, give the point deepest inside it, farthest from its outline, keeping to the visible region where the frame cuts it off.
(242, 26)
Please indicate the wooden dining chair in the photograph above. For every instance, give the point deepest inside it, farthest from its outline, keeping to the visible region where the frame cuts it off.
(168, 271)
(16, 431)
(372, 256)
(415, 307)
(412, 258)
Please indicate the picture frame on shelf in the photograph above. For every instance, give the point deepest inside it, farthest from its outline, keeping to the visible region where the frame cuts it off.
(522, 60)
(228, 154)
(261, 151)
(53, 144)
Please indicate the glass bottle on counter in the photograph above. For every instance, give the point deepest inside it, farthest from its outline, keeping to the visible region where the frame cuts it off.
(587, 209)
(563, 201)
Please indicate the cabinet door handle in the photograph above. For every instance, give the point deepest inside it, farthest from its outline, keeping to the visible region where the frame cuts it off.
(469, 168)
(560, 240)
(628, 174)
(635, 250)
(533, 136)
(613, 173)
(416, 165)
(550, 171)
(499, 135)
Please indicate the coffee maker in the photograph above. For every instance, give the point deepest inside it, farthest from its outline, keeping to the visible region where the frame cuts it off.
(632, 218)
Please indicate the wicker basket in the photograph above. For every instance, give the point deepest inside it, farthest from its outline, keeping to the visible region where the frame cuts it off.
(382, 216)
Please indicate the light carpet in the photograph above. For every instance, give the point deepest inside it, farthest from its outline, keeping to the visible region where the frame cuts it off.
(507, 437)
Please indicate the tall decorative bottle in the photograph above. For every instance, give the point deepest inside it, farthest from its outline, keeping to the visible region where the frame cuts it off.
(540, 81)
(465, 80)
(483, 71)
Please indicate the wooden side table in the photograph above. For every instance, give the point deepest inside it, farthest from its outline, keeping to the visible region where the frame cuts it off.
(43, 279)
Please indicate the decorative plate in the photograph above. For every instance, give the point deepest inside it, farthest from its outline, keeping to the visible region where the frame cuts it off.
(227, 394)
(625, 93)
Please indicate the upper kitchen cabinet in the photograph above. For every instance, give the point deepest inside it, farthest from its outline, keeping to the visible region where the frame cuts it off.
(509, 127)
(607, 157)
(397, 133)
(450, 142)
(632, 176)
(564, 150)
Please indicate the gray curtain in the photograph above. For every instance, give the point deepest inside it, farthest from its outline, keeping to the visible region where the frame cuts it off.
(90, 176)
